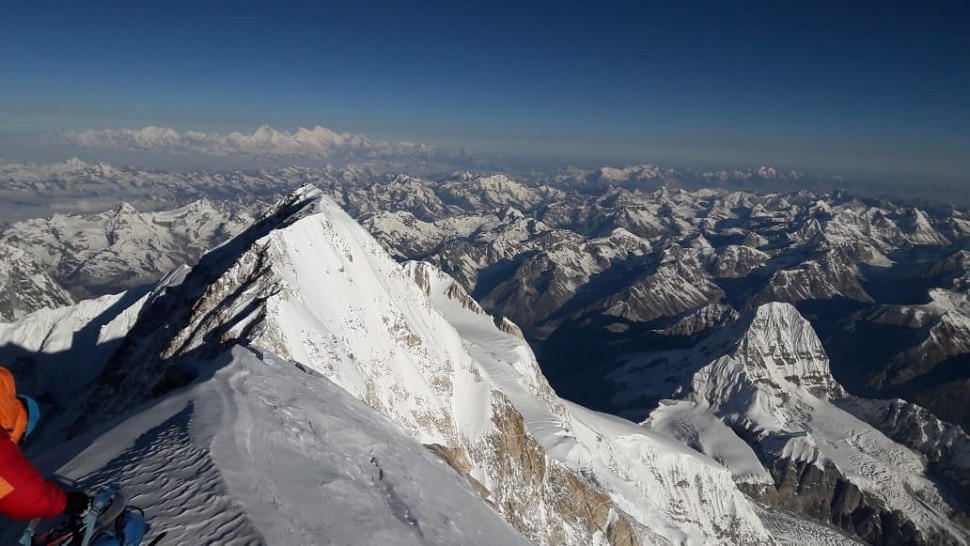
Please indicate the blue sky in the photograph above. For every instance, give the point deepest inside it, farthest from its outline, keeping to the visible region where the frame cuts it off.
(849, 86)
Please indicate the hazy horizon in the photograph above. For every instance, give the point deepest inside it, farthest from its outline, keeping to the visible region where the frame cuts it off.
(873, 89)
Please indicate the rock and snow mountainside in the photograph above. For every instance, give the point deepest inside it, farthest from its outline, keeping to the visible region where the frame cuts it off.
(279, 392)
(760, 398)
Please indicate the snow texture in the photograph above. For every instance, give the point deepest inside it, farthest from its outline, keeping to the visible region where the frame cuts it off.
(264, 451)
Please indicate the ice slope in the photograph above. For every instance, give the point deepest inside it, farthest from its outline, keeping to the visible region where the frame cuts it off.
(261, 450)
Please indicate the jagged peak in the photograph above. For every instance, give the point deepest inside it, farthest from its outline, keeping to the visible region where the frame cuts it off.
(302, 202)
(780, 347)
(770, 371)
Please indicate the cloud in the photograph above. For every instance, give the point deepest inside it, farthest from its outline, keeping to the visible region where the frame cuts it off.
(265, 142)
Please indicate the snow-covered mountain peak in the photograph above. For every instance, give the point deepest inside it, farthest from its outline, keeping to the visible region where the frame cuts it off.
(780, 347)
(771, 377)
(764, 407)
(124, 209)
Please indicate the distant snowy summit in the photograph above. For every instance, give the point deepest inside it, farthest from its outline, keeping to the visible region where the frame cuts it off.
(318, 142)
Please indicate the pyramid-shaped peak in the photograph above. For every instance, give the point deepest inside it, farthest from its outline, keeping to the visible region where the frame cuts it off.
(780, 346)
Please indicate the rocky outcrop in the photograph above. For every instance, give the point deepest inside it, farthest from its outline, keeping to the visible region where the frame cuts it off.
(702, 320)
(527, 473)
(513, 453)
(737, 261)
(675, 287)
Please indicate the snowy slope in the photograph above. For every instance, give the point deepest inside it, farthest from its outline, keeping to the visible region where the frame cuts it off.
(264, 451)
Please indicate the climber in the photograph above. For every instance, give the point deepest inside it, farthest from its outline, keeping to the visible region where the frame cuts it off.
(24, 493)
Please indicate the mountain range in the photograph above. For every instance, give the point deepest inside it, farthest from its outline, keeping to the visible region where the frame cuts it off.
(729, 337)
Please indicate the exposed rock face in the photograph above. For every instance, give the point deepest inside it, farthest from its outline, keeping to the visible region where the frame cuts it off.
(825, 494)
(509, 327)
(702, 320)
(945, 338)
(826, 278)
(678, 285)
(780, 346)
(738, 261)
(516, 456)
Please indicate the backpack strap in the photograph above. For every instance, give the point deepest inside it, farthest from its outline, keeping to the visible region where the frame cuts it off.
(107, 505)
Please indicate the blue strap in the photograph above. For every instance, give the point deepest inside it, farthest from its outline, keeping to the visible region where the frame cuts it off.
(100, 502)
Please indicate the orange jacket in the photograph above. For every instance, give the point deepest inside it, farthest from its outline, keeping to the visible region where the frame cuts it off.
(13, 415)
(24, 493)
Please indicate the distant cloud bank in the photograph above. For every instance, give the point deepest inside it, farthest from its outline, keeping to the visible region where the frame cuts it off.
(318, 142)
